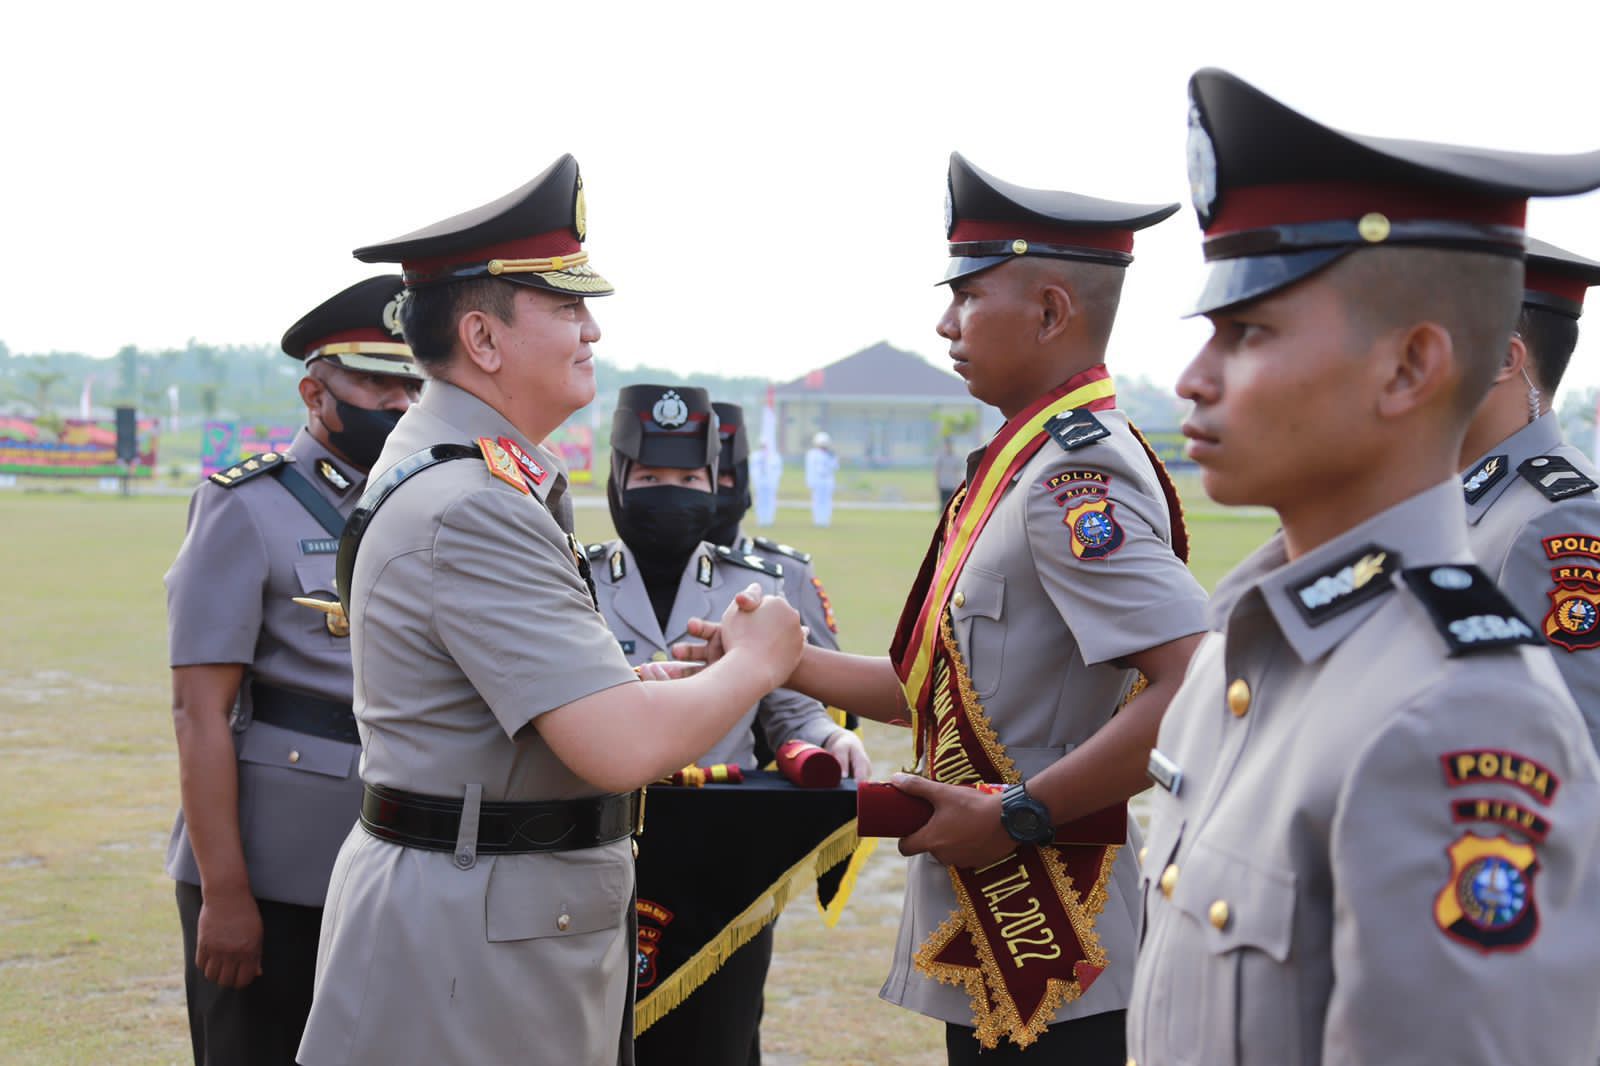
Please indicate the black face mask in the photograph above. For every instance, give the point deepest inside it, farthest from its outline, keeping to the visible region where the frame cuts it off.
(361, 439)
(662, 523)
(732, 503)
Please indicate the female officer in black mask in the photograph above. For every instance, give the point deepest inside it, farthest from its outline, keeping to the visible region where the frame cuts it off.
(650, 582)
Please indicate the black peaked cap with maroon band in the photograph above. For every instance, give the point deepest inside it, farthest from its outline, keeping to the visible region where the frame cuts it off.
(358, 329)
(989, 221)
(1281, 196)
(665, 425)
(1557, 280)
(532, 236)
(735, 447)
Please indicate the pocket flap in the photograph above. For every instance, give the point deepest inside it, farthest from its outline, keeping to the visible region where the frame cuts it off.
(1240, 904)
(982, 594)
(264, 744)
(558, 893)
(315, 575)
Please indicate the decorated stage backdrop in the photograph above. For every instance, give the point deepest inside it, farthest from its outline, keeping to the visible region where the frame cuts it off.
(82, 447)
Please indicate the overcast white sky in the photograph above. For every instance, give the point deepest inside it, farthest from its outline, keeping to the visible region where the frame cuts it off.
(765, 183)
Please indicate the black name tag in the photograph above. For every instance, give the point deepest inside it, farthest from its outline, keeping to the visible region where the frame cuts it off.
(319, 545)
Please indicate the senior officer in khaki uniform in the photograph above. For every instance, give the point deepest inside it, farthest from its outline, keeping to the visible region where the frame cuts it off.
(1054, 581)
(1374, 839)
(1532, 511)
(481, 911)
(267, 801)
(649, 582)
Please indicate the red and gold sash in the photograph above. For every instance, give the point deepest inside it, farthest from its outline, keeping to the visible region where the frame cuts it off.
(1022, 941)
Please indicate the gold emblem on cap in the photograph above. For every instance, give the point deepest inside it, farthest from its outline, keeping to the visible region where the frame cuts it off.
(1019, 246)
(1373, 227)
(580, 212)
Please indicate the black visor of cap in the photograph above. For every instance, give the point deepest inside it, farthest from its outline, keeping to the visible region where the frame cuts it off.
(1230, 282)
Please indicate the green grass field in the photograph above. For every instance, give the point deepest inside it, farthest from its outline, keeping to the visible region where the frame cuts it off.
(90, 967)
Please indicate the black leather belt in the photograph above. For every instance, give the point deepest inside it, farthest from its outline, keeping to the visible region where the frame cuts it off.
(433, 823)
(302, 713)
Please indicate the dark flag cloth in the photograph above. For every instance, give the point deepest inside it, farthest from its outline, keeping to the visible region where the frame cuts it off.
(717, 864)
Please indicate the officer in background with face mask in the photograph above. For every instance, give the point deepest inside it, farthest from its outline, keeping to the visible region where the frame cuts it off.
(659, 574)
(261, 688)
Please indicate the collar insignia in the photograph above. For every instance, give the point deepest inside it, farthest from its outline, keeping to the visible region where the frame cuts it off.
(1483, 477)
(534, 470)
(1556, 477)
(502, 465)
(703, 575)
(619, 565)
(1363, 575)
(1075, 428)
(331, 475)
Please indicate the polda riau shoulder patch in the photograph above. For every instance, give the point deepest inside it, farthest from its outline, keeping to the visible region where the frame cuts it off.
(1076, 428)
(254, 466)
(767, 544)
(502, 466)
(1470, 612)
(1364, 574)
(1477, 766)
(1501, 812)
(1483, 477)
(1573, 622)
(1557, 478)
(749, 561)
(1487, 902)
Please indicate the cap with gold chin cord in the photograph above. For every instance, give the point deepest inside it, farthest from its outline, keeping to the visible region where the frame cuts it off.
(358, 329)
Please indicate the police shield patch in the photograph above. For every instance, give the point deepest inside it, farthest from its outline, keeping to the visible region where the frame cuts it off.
(1488, 901)
(1095, 532)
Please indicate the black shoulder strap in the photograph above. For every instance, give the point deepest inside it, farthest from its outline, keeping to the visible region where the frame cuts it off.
(317, 505)
(378, 491)
(1556, 477)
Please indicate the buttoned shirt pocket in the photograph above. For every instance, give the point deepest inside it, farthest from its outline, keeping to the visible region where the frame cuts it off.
(977, 610)
(1238, 917)
(269, 745)
(558, 893)
(314, 576)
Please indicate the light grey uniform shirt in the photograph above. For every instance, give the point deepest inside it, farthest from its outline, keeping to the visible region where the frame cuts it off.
(1544, 554)
(250, 548)
(1343, 875)
(1041, 628)
(469, 620)
(709, 583)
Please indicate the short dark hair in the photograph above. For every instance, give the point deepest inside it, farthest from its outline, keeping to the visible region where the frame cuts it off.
(1474, 295)
(1550, 338)
(430, 314)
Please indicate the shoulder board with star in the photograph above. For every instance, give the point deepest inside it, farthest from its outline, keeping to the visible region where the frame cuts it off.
(1469, 611)
(252, 467)
(749, 562)
(1076, 428)
(1557, 478)
(767, 544)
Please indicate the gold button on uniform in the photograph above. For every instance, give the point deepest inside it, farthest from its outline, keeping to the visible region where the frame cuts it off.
(294, 756)
(1169, 880)
(1219, 914)
(1239, 697)
(1142, 853)
(659, 657)
(563, 921)
(960, 599)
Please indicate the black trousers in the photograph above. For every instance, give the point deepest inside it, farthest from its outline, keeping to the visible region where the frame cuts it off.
(1098, 1040)
(720, 1024)
(261, 1023)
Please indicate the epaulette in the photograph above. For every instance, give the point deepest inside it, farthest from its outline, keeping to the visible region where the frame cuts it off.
(251, 467)
(1470, 612)
(749, 562)
(1557, 478)
(1075, 428)
(767, 544)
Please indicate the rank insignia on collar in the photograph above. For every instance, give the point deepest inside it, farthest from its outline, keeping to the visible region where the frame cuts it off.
(1495, 765)
(1095, 532)
(1483, 477)
(331, 476)
(1076, 428)
(703, 571)
(619, 565)
(502, 466)
(1470, 612)
(1360, 576)
(1488, 901)
(627, 646)
(1556, 478)
(535, 471)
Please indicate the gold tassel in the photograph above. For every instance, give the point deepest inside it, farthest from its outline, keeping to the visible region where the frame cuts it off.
(739, 932)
